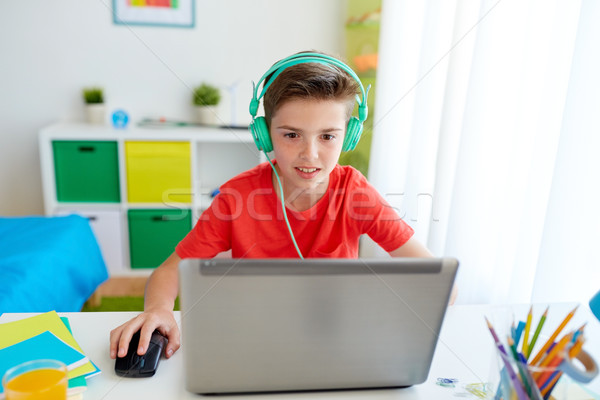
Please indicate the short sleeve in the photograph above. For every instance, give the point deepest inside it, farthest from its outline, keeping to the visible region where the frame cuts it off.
(212, 233)
(388, 229)
(376, 216)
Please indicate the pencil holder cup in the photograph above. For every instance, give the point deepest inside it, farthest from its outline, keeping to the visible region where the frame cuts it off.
(522, 381)
(565, 379)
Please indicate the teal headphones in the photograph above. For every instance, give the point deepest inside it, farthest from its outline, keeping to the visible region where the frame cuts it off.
(258, 127)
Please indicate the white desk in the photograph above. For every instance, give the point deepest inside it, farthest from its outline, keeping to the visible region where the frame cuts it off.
(464, 351)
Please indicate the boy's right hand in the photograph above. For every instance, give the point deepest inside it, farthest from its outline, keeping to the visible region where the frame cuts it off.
(147, 322)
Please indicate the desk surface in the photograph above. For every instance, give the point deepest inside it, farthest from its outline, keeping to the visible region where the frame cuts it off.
(464, 352)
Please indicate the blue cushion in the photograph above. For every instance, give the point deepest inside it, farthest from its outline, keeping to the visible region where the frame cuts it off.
(48, 263)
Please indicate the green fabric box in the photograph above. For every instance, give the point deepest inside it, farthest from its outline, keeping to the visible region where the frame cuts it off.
(86, 171)
(153, 235)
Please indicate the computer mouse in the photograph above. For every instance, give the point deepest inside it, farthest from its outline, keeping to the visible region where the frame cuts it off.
(136, 366)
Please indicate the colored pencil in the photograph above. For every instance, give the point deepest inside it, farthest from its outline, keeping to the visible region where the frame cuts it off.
(538, 329)
(550, 385)
(513, 329)
(576, 349)
(551, 381)
(520, 391)
(562, 343)
(525, 345)
(552, 359)
(573, 352)
(549, 370)
(553, 337)
(579, 332)
(493, 332)
(520, 327)
(520, 365)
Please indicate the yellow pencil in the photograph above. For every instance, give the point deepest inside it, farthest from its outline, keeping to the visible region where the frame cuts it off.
(577, 347)
(553, 337)
(526, 334)
(537, 333)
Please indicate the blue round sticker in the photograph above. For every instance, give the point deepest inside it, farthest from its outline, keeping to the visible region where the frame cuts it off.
(120, 119)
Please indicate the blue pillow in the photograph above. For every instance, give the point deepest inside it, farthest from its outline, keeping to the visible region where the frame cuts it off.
(48, 263)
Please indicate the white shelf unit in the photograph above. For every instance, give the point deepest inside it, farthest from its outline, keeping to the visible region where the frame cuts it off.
(215, 156)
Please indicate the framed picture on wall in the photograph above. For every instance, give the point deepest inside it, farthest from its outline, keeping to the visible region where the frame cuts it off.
(173, 13)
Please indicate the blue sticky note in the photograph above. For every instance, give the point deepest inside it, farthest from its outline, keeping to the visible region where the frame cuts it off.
(43, 346)
(77, 384)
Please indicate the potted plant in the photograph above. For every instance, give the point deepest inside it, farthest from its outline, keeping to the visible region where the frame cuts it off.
(206, 98)
(94, 100)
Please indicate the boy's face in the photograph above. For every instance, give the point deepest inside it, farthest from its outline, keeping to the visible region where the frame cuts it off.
(307, 138)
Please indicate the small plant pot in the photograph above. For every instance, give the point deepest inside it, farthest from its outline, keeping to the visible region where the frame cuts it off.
(95, 113)
(207, 115)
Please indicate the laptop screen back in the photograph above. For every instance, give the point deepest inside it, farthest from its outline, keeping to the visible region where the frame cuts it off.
(278, 325)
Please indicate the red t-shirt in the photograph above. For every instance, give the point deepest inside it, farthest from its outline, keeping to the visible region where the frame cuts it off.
(246, 217)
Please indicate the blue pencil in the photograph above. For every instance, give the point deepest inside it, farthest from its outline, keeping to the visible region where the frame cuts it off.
(578, 332)
(520, 327)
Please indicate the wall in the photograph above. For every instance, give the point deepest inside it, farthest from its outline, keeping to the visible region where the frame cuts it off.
(50, 50)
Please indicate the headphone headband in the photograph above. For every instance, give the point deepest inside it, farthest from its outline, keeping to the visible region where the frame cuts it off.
(259, 129)
(304, 58)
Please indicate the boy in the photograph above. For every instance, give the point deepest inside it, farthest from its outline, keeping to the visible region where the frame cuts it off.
(308, 103)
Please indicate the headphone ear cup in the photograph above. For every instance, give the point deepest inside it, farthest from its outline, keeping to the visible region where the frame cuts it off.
(260, 133)
(353, 132)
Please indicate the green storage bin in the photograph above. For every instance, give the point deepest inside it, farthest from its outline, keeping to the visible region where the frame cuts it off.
(86, 171)
(153, 235)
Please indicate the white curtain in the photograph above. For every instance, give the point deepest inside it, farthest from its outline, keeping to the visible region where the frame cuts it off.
(487, 140)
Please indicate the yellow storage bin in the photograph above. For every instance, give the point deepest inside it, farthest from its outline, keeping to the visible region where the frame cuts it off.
(158, 172)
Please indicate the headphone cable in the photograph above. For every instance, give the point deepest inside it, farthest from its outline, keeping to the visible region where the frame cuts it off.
(287, 222)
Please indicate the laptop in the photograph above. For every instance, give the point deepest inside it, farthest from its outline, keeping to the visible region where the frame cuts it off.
(254, 325)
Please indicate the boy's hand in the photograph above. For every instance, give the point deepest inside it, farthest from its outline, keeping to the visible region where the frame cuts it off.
(147, 322)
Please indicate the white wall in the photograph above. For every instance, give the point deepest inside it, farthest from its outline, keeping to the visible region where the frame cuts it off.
(49, 50)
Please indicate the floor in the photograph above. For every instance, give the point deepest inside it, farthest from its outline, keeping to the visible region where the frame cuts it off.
(119, 287)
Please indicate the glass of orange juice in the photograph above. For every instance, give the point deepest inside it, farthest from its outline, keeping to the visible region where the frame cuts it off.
(38, 379)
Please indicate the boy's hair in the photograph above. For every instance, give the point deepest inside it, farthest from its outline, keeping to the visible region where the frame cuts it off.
(310, 81)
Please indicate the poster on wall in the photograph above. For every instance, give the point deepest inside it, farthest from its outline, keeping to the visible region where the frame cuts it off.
(171, 13)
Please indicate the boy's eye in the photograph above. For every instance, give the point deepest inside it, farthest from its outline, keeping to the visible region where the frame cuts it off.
(328, 137)
(291, 135)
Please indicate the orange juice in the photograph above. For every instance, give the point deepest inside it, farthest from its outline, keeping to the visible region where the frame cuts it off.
(39, 384)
